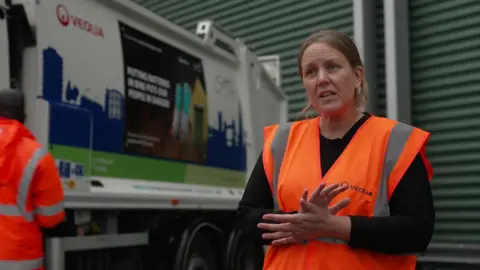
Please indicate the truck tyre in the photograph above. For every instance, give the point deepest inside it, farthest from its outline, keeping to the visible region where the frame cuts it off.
(199, 249)
(249, 257)
(243, 254)
(202, 253)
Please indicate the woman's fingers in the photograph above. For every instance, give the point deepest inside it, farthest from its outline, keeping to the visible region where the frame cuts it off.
(305, 194)
(319, 196)
(283, 218)
(304, 197)
(276, 235)
(285, 241)
(317, 191)
(327, 190)
(339, 189)
(334, 209)
(324, 194)
(282, 227)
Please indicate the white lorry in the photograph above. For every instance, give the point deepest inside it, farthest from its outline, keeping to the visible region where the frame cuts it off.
(154, 130)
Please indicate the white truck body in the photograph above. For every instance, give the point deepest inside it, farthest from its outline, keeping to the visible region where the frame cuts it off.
(141, 115)
(4, 66)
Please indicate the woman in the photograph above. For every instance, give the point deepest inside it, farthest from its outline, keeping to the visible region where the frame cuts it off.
(370, 206)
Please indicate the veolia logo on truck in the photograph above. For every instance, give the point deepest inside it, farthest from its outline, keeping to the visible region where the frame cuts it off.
(65, 18)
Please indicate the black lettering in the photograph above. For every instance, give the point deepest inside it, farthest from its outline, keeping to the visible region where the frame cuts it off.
(358, 189)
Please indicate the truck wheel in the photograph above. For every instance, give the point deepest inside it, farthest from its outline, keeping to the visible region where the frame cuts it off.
(249, 256)
(201, 254)
(243, 254)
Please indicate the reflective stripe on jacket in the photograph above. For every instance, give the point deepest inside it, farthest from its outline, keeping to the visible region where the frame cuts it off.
(372, 165)
(31, 197)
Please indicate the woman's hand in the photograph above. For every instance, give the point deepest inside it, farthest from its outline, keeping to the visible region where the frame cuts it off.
(315, 198)
(311, 220)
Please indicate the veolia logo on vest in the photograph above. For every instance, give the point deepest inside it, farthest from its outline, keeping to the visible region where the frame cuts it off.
(357, 189)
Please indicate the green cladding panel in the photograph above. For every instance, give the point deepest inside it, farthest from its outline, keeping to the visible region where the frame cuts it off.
(445, 61)
(267, 26)
(380, 36)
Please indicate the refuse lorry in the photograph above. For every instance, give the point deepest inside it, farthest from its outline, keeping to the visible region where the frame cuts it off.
(154, 130)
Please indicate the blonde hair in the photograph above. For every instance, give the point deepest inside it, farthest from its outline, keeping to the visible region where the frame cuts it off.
(347, 47)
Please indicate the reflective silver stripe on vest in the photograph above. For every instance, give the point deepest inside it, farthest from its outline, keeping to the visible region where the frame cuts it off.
(278, 148)
(49, 210)
(396, 143)
(21, 265)
(21, 208)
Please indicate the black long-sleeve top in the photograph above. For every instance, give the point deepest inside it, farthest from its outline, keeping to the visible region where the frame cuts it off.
(408, 230)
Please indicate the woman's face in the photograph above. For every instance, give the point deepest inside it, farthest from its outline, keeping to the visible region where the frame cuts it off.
(329, 79)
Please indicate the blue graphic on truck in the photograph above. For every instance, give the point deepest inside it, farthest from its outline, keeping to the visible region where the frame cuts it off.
(68, 169)
(78, 121)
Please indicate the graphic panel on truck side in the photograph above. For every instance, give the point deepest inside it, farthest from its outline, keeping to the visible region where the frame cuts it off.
(165, 101)
(124, 103)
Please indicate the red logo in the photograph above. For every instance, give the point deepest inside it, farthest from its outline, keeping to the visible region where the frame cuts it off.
(64, 17)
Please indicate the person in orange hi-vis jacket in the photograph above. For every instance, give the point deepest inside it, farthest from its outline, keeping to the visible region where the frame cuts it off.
(31, 194)
(345, 189)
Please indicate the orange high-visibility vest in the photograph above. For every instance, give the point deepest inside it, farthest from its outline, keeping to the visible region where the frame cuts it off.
(372, 164)
(31, 197)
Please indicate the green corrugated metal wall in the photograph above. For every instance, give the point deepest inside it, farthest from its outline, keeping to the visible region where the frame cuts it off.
(445, 60)
(380, 89)
(269, 26)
